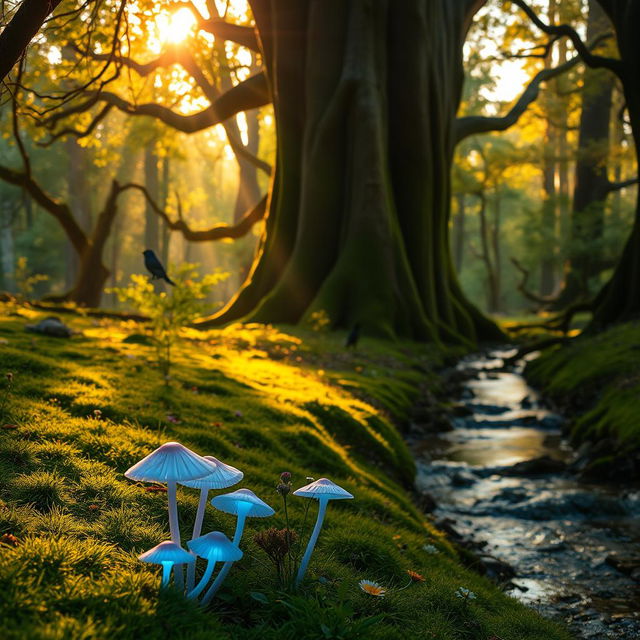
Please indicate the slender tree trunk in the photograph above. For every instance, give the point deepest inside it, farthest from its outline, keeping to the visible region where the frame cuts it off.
(364, 96)
(79, 201)
(496, 248)
(587, 221)
(151, 180)
(548, 263)
(7, 249)
(165, 233)
(458, 231)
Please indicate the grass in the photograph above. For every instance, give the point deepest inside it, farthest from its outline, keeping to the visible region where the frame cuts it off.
(598, 378)
(81, 411)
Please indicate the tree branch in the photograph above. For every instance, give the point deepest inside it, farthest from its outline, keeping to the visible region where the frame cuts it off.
(217, 232)
(59, 210)
(616, 186)
(21, 29)
(220, 28)
(70, 131)
(591, 60)
(168, 57)
(472, 125)
(250, 94)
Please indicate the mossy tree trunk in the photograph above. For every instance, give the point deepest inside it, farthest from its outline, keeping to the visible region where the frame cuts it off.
(365, 95)
(619, 300)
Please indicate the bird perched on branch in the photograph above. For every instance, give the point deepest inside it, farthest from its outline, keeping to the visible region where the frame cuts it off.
(155, 268)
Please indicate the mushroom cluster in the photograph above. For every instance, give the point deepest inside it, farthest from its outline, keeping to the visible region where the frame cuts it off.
(173, 464)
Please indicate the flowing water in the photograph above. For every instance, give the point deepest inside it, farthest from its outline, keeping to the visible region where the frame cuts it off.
(560, 535)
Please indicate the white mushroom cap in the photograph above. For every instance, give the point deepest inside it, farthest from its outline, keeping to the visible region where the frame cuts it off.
(224, 476)
(322, 488)
(229, 503)
(170, 462)
(215, 546)
(167, 552)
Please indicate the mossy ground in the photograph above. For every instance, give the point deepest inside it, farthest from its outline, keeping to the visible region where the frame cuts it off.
(81, 411)
(598, 378)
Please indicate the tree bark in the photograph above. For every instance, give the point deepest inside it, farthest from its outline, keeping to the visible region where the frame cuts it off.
(23, 26)
(619, 300)
(587, 222)
(365, 98)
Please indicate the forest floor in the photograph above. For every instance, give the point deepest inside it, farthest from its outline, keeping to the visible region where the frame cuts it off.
(77, 412)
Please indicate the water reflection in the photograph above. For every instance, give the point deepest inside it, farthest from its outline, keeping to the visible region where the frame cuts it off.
(559, 534)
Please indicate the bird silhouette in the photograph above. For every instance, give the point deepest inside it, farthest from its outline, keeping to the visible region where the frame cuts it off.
(155, 268)
(353, 337)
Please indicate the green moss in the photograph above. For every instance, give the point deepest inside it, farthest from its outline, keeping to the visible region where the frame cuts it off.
(598, 379)
(265, 401)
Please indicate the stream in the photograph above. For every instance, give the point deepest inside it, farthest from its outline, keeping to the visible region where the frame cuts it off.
(572, 545)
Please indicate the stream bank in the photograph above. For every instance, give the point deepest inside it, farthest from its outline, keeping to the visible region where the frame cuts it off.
(501, 478)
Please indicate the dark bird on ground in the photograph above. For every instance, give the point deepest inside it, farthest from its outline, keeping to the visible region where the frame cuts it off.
(353, 337)
(155, 268)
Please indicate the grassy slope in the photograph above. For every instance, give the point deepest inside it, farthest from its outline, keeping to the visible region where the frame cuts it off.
(599, 376)
(259, 399)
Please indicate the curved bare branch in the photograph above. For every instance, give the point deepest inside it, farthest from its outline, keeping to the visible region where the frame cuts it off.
(217, 232)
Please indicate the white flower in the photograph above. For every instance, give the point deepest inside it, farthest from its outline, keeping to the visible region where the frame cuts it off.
(465, 594)
(372, 588)
(429, 548)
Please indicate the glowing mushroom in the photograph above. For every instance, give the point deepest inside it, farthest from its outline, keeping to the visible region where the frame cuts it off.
(171, 463)
(166, 554)
(244, 504)
(222, 477)
(215, 547)
(322, 490)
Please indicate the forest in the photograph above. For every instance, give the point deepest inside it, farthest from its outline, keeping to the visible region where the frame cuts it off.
(393, 244)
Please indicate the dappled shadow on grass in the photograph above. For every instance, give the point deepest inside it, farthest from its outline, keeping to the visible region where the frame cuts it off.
(265, 401)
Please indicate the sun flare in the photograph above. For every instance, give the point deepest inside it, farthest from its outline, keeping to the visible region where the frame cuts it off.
(176, 27)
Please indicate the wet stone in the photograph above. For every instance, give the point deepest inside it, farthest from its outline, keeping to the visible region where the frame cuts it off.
(503, 492)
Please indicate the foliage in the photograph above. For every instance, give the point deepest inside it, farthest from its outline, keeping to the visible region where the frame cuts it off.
(169, 313)
(25, 280)
(239, 394)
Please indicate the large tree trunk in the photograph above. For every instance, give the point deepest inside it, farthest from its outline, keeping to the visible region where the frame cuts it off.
(619, 300)
(364, 97)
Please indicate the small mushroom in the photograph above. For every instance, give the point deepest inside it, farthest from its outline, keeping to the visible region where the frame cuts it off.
(171, 463)
(322, 490)
(224, 476)
(244, 504)
(166, 554)
(215, 547)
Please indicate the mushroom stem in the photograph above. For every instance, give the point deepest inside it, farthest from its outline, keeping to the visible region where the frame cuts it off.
(174, 528)
(312, 540)
(197, 529)
(194, 593)
(226, 567)
(166, 573)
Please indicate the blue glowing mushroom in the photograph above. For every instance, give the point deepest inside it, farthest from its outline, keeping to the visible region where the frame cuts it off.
(167, 554)
(214, 547)
(322, 490)
(222, 477)
(171, 463)
(244, 504)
